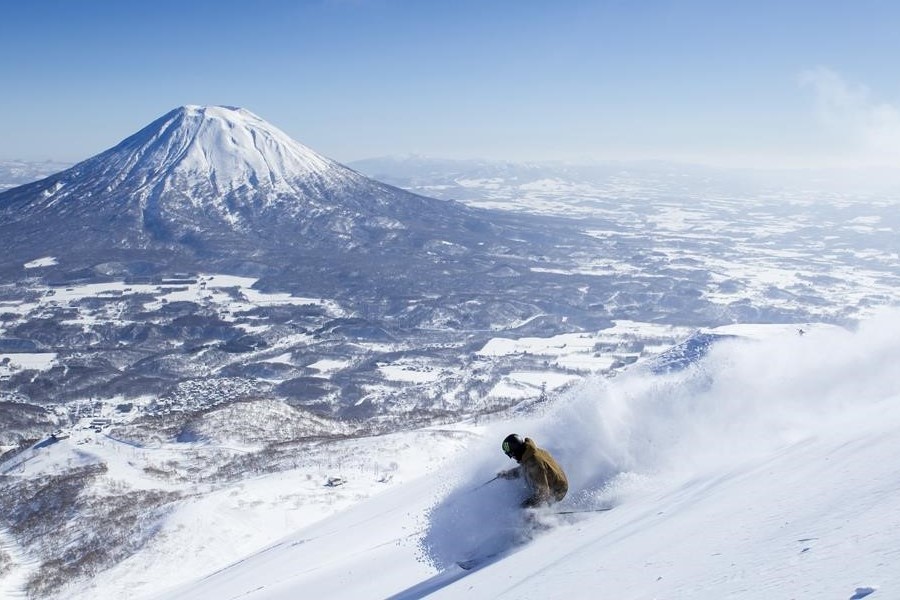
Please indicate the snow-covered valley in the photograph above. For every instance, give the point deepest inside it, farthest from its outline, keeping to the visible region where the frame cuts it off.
(766, 469)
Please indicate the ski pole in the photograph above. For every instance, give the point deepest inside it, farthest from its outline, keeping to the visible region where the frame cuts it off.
(495, 478)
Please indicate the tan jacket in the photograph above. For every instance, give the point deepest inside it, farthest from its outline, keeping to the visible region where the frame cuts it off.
(545, 478)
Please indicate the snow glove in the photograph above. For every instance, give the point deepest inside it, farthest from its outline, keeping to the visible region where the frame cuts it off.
(514, 473)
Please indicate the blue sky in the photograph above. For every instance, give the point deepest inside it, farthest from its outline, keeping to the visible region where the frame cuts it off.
(738, 83)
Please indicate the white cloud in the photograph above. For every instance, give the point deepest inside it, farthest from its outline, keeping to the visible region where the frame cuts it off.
(869, 128)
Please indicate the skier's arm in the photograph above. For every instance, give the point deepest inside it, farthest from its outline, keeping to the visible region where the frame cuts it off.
(513, 473)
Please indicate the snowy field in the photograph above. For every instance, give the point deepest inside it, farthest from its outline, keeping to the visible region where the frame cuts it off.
(786, 241)
(31, 361)
(767, 470)
(234, 294)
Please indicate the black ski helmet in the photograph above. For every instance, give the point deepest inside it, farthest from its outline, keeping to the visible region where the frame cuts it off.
(513, 446)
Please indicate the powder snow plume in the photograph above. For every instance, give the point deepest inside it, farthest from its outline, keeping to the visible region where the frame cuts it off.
(618, 437)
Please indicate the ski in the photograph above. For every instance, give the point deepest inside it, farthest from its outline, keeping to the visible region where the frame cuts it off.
(582, 510)
(468, 565)
(472, 563)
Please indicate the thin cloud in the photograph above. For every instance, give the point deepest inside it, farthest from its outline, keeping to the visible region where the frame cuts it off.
(870, 128)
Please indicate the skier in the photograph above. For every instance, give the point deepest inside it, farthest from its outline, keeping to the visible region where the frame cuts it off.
(545, 478)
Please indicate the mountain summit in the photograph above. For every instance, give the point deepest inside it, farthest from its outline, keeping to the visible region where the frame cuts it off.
(219, 162)
(218, 150)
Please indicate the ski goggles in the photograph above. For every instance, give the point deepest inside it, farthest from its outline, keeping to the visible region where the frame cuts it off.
(506, 449)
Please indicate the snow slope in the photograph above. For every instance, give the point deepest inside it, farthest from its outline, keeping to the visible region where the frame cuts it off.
(767, 470)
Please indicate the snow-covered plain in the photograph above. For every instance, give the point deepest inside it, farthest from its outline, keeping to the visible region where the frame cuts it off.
(767, 470)
(206, 288)
(787, 241)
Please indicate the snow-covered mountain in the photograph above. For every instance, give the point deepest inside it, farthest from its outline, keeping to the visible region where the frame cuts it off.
(216, 188)
(206, 177)
(218, 160)
(767, 469)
